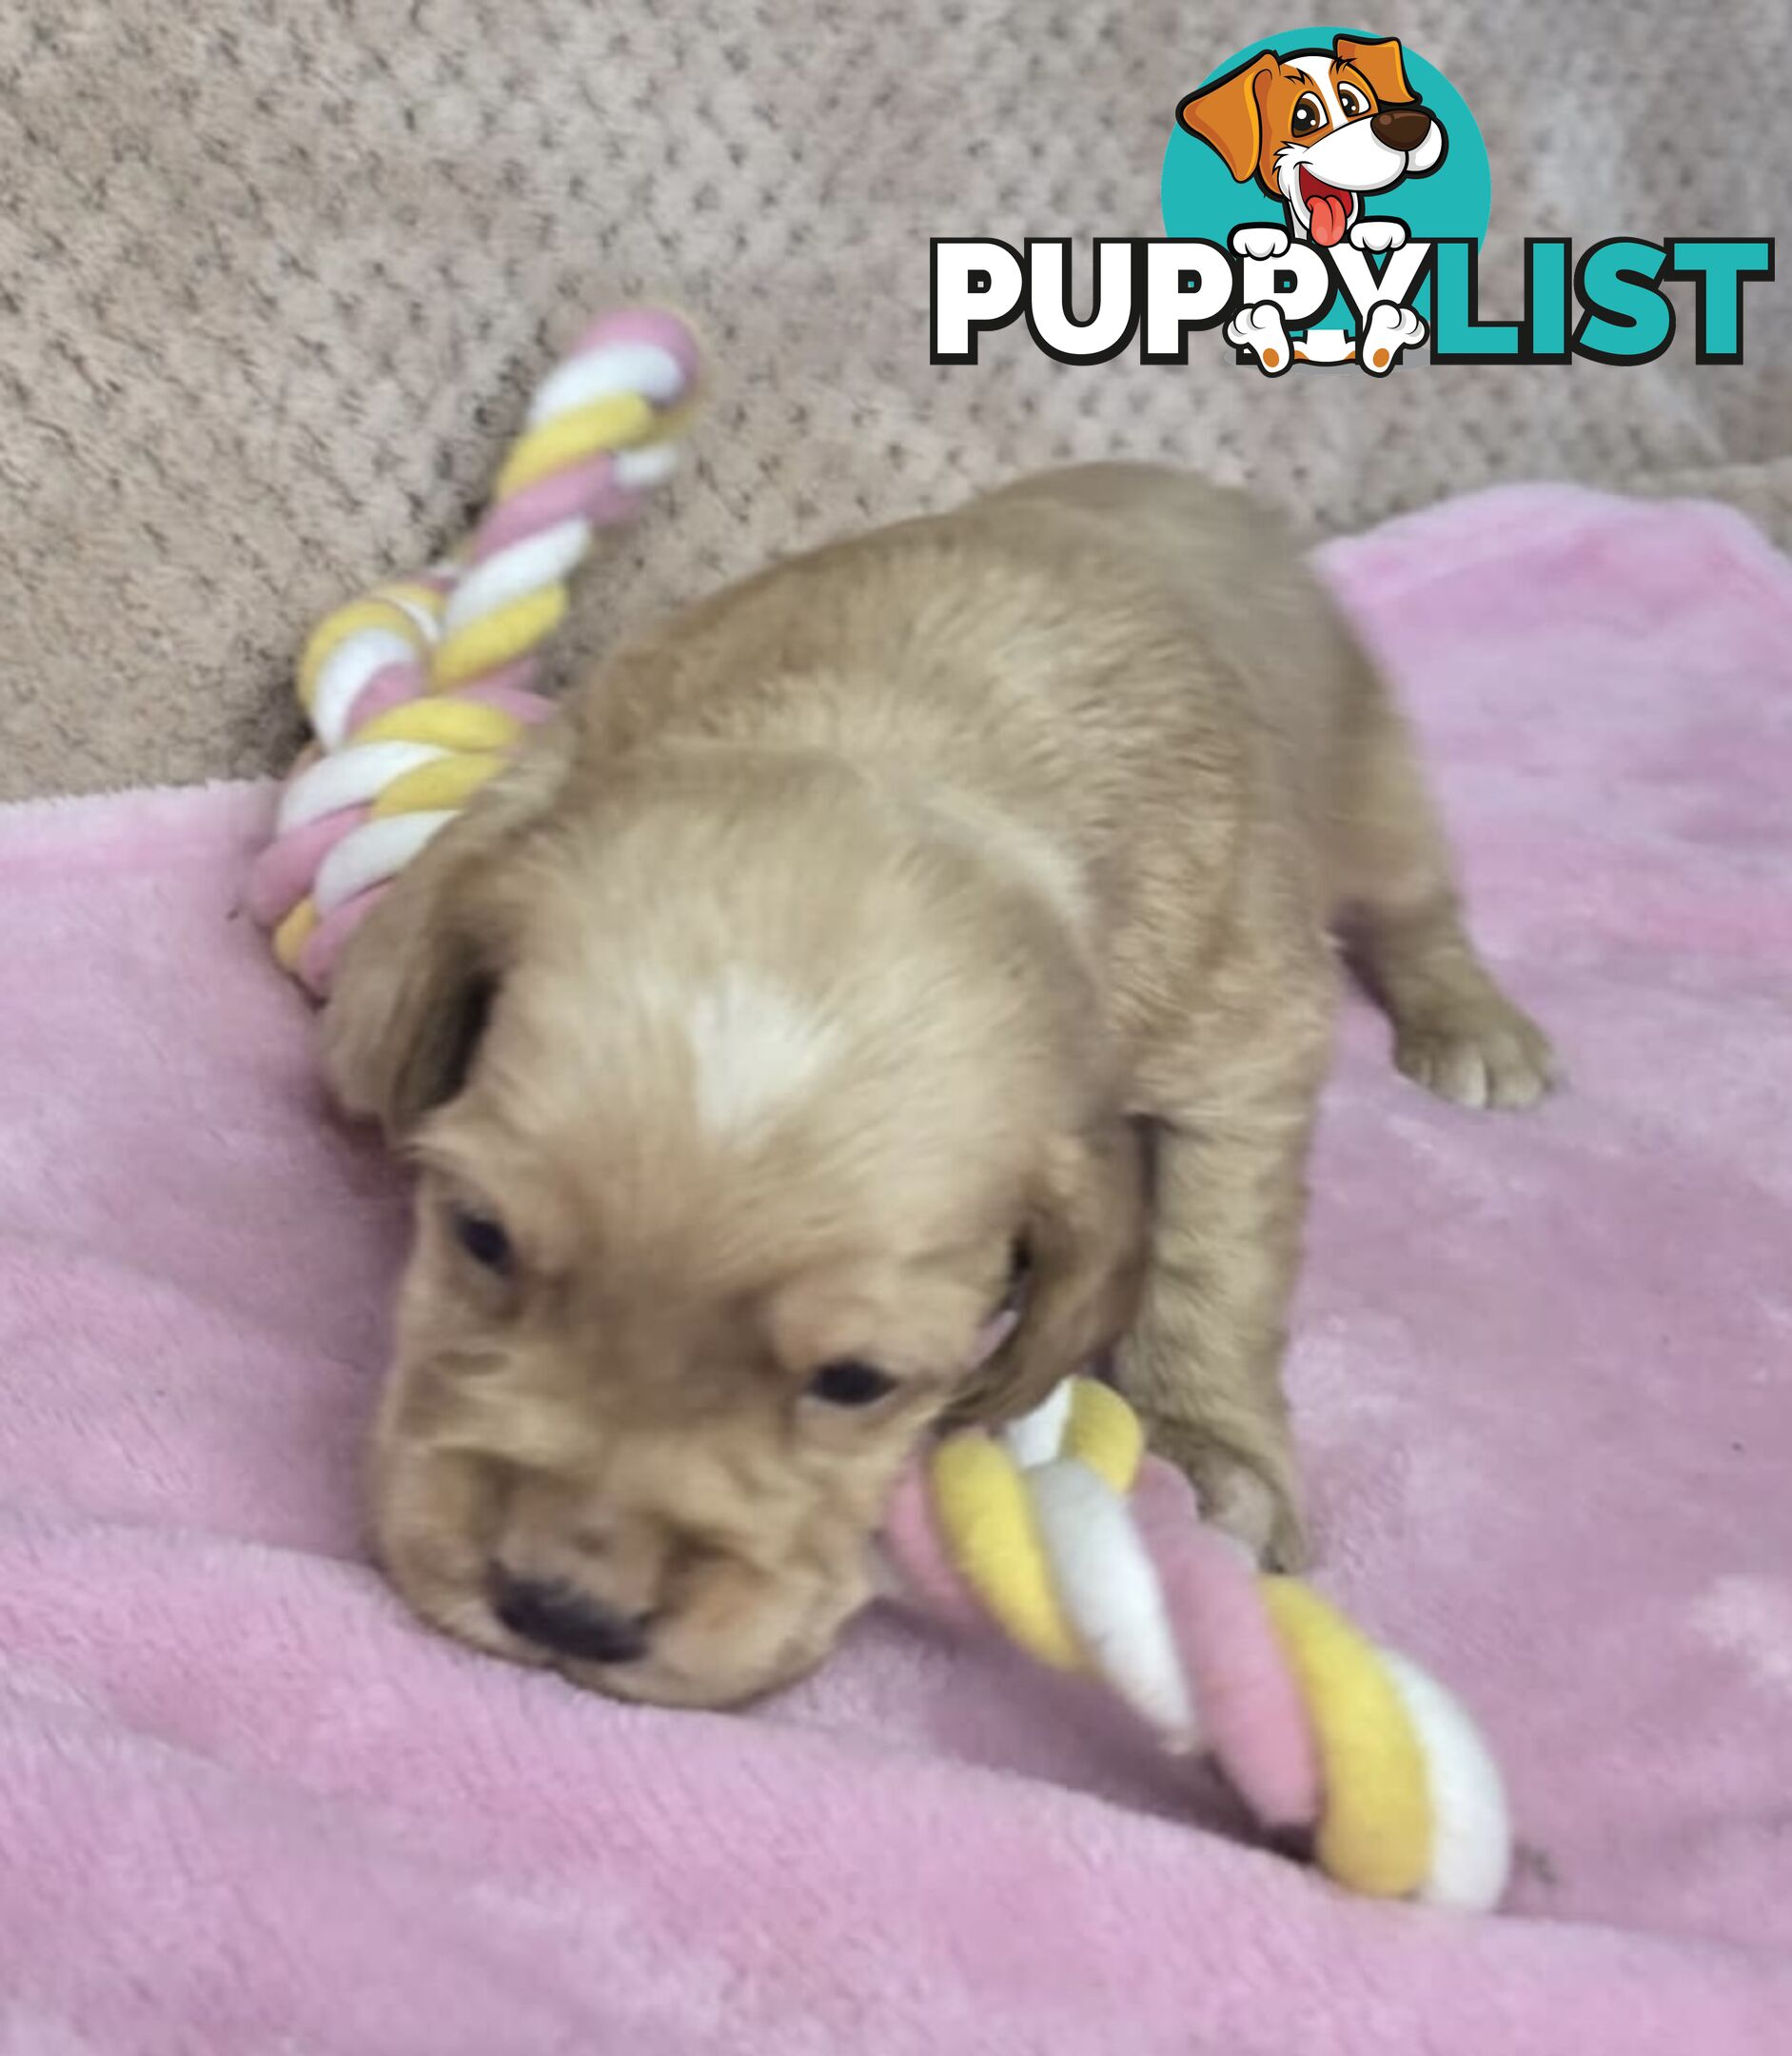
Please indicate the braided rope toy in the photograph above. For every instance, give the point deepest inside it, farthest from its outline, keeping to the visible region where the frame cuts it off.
(417, 692)
(1327, 1738)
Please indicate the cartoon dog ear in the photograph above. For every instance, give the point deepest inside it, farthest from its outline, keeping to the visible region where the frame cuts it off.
(1379, 61)
(1229, 115)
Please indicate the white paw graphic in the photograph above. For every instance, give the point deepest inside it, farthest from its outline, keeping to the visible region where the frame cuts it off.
(1377, 232)
(1390, 331)
(1260, 240)
(1259, 329)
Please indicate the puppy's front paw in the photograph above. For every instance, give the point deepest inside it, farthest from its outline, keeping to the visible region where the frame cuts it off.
(1388, 330)
(1377, 232)
(1259, 331)
(1260, 239)
(1255, 1504)
(1478, 1050)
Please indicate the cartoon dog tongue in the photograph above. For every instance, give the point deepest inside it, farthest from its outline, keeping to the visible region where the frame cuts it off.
(1330, 208)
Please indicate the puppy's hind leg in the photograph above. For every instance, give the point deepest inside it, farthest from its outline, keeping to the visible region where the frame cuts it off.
(1402, 922)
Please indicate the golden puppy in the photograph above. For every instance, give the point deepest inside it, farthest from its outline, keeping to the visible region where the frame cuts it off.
(933, 924)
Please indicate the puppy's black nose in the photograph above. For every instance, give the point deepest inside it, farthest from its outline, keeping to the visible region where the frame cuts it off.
(560, 1617)
(1400, 128)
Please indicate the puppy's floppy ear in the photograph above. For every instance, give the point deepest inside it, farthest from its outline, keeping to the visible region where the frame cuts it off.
(416, 980)
(1379, 61)
(1084, 1239)
(1229, 115)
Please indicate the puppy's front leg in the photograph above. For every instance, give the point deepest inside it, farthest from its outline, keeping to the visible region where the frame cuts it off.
(1203, 1363)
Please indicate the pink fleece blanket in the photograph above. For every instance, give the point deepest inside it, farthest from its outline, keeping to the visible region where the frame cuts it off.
(1541, 1371)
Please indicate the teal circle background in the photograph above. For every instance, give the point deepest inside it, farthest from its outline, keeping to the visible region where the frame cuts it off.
(1201, 198)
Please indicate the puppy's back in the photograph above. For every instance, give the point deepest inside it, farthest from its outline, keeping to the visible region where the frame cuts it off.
(1128, 661)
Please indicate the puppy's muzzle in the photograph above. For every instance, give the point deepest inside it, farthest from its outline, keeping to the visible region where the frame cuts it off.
(1400, 128)
(558, 1617)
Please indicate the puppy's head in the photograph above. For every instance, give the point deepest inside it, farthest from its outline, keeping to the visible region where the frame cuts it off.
(1318, 128)
(741, 1100)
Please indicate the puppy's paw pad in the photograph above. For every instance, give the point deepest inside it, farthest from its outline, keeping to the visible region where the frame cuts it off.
(1260, 239)
(1388, 330)
(1377, 232)
(1259, 331)
(1482, 1053)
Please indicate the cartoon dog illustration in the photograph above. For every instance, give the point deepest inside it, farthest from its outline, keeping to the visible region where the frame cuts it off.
(1317, 130)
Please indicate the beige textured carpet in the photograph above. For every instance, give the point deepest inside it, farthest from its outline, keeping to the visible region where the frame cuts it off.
(274, 278)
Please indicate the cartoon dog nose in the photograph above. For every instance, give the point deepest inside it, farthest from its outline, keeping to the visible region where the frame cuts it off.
(1400, 128)
(560, 1617)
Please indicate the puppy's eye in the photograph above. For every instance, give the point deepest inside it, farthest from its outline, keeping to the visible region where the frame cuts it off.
(1351, 102)
(483, 1238)
(850, 1383)
(1309, 114)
